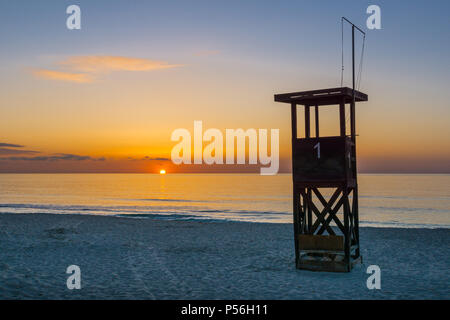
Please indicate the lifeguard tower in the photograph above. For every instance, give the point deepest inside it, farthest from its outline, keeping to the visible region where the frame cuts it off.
(326, 239)
(324, 162)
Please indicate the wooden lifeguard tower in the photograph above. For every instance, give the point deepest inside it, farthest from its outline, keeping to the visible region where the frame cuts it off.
(320, 163)
(324, 162)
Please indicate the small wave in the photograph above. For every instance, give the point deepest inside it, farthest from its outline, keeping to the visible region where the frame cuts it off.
(406, 209)
(179, 212)
(412, 198)
(167, 200)
(157, 216)
(200, 213)
(396, 224)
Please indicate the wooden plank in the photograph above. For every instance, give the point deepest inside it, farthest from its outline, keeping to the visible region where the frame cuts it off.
(327, 206)
(328, 167)
(320, 242)
(320, 97)
(320, 218)
(311, 93)
(305, 183)
(332, 216)
(322, 266)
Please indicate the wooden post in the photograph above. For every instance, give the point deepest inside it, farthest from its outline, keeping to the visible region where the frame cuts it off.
(347, 234)
(296, 213)
(296, 193)
(342, 117)
(307, 123)
(304, 209)
(352, 121)
(317, 120)
(309, 218)
(294, 123)
(356, 218)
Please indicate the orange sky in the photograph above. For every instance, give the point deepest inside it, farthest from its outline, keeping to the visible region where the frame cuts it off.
(110, 97)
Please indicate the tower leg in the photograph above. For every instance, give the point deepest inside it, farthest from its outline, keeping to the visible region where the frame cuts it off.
(309, 218)
(296, 213)
(356, 219)
(347, 233)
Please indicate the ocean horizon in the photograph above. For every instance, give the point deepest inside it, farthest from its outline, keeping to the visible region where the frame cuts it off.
(385, 200)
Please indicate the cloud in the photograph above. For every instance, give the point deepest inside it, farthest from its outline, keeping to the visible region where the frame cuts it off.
(147, 158)
(15, 149)
(154, 159)
(83, 69)
(96, 64)
(2, 144)
(63, 76)
(56, 157)
(9, 151)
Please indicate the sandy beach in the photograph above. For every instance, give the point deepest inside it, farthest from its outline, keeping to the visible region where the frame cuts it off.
(130, 258)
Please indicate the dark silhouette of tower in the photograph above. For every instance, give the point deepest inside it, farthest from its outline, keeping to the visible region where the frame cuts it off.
(326, 229)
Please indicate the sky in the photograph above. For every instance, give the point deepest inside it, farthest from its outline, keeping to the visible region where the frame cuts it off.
(107, 97)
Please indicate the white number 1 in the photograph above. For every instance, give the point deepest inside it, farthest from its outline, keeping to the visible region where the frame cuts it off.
(318, 149)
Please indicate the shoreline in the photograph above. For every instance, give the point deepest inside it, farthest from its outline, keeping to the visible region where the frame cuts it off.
(190, 218)
(122, 258)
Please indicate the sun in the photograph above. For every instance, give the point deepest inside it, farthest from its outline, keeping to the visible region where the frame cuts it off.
(162, 171)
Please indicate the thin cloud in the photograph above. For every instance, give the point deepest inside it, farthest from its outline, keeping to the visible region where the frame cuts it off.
(99, 64)
(5, 149)
(56, 157)
(84, 69)
(10, 145)
(147, 158)
(155, 159)
(8, 151)
(62, 76)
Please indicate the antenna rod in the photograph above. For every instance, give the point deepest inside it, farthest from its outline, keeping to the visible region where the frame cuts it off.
(344, 18)
(352, 106)
(352, 118)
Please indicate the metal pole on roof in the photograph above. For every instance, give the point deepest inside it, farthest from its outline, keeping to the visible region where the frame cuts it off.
(352, 107)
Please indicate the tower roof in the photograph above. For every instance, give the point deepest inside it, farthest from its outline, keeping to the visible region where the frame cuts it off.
(321, 97)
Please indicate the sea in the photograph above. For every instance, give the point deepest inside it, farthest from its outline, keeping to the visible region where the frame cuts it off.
(385, 200)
